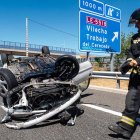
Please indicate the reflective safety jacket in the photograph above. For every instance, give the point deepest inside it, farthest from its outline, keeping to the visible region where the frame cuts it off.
(134, 50)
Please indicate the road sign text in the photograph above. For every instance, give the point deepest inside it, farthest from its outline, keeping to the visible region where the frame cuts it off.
(99, 27)
(96, 21)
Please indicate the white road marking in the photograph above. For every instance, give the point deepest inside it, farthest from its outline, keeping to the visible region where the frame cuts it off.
(107, 110)
(103, 109)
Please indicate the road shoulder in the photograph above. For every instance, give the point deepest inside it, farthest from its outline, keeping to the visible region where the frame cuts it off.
(113, 90)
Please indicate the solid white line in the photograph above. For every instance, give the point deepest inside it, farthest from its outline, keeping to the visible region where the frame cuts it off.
(107, 110)
(103, 109)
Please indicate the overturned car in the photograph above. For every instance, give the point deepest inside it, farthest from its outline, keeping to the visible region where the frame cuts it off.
(35, 89)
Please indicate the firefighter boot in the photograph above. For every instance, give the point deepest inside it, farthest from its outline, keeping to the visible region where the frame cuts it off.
(120, 130)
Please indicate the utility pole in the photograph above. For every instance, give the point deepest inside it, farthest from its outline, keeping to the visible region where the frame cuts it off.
(27, 37)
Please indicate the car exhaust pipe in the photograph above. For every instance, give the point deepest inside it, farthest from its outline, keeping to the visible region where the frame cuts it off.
(48, 115)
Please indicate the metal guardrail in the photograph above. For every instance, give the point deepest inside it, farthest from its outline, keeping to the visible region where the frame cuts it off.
(111, 75)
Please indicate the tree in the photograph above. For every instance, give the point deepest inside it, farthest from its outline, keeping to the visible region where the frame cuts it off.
(128, 41)
(125, 45)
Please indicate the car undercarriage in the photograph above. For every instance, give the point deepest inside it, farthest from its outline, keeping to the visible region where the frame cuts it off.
(38, 88)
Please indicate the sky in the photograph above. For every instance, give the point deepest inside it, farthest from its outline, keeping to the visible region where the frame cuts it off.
(62, 15)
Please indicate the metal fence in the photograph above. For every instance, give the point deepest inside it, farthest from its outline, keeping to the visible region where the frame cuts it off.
(34, 47)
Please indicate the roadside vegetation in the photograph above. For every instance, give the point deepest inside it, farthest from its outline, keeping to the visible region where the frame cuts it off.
(103, 63)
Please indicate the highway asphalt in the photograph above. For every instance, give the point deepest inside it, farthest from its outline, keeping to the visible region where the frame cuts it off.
(91, 123)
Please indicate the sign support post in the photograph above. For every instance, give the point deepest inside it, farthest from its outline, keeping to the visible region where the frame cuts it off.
(111, 64)
(88, 55)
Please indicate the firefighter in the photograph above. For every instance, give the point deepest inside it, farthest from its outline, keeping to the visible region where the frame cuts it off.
(126, 125)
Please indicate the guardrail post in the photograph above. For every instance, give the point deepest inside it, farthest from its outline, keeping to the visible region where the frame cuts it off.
(118, 84)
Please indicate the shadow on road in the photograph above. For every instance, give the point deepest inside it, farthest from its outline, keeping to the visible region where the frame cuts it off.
(117, 136)
(86, 95)
(54, 120)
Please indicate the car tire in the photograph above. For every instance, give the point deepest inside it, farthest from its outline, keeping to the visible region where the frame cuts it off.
(8, 80)
(45, 50)
(4, 58)
(68, 60)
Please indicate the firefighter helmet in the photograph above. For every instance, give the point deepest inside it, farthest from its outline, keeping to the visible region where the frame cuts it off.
(135, 17)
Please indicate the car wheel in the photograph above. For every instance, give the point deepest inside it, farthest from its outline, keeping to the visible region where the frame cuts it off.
(67, 67)
(45, 50)
(4, 58)
(7, 82)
